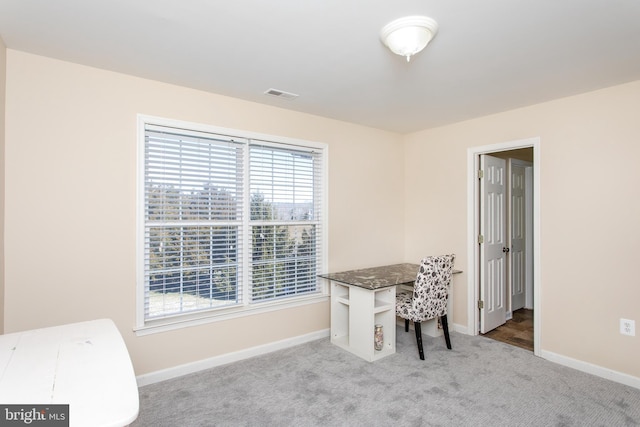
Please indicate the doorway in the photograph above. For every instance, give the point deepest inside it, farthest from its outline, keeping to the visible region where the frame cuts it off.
(516, 331)
(517, 305)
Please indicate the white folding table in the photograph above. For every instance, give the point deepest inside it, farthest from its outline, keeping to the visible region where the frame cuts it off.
(85, 365)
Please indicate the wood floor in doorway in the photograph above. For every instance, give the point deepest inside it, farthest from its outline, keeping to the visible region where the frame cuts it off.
(517, 331)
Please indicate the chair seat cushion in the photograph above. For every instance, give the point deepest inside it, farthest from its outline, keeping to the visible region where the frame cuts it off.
(404, 302)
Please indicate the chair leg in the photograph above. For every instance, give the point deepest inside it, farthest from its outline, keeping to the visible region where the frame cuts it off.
(445, 329)
(406, 325)
(418, 329)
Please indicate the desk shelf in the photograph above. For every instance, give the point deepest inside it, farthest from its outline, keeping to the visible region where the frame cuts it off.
(383, 300)
(354, 313)
(343, 300)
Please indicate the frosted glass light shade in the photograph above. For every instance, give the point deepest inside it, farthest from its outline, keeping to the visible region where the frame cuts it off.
(408, 36)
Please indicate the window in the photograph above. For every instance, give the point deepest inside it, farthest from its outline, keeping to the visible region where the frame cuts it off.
(228, 224)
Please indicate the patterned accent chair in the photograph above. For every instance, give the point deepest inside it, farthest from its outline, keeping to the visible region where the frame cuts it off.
(429, 297)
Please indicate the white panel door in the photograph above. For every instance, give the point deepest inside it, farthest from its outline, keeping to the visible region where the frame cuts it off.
(518, 233)
(493, 228)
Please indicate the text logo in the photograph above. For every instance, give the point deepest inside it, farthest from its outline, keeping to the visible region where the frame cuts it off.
(34, 415)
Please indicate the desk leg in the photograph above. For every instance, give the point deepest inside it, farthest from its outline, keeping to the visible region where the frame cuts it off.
(366, 308)
(361, 322)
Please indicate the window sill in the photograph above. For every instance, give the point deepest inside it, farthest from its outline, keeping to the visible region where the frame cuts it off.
(201, 318)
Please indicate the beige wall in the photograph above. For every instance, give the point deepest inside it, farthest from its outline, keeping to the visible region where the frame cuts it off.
(3, 74)
(589, 213)
(71, 202)
(70, 207)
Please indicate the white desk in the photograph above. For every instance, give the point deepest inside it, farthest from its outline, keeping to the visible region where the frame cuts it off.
(363, 298)
(85, 365)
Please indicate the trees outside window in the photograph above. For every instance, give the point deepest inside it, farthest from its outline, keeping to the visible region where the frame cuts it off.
(208, 247)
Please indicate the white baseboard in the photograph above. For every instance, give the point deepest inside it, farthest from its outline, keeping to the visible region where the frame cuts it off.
(580, 365)
(590, 368)
(461, 329)
(177, 371)
(189, 368)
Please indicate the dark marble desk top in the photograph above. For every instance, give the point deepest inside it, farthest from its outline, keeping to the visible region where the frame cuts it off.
(377, 277)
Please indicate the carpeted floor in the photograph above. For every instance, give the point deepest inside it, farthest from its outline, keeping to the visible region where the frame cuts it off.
(481, 382)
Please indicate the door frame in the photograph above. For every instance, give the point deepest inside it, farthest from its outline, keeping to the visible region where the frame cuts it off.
(473, 229)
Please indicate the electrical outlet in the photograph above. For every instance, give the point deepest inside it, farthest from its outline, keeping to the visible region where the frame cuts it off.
(628, 327)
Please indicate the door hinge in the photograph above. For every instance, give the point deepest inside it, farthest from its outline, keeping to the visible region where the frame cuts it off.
(480, 174)
(480, 304)
(480, 239)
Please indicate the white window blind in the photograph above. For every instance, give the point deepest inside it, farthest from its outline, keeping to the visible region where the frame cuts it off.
(285, 185)
(193, 221)
(229, 224)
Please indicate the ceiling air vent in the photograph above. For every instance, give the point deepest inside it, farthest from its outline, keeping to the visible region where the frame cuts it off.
(281, 94)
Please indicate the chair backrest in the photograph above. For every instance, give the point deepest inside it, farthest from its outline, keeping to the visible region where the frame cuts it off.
(431, 289)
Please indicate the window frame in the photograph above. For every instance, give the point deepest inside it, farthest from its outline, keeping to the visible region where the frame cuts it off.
(245, 307)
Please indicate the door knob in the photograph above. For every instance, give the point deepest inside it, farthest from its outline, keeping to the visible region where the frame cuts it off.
(505, 250)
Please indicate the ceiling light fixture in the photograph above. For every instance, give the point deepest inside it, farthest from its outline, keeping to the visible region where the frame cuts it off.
(409, 35)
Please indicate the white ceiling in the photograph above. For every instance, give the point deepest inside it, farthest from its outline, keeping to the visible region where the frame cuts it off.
(488, 56)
